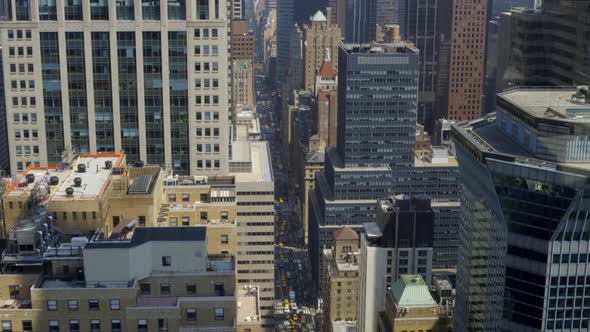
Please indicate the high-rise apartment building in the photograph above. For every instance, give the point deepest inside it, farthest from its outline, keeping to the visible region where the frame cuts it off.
(399, 243)
(524, 232)
(319, 36)
(547, 47)
(285, 21)
(375, 132)
(125, 75)
(462, 93)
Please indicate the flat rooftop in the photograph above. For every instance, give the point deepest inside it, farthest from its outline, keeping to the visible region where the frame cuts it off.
(94, 178)
(450, 161)
(260, 159)
(247, 304)
(381, 48)
(550, 103)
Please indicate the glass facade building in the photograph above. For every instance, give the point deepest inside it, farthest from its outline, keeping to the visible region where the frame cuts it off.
(524, 236)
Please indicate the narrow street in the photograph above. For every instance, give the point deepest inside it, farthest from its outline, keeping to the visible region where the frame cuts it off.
(295, 306)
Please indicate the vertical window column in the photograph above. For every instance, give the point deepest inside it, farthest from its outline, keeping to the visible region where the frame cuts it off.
(77, 90)
(179, 117)
(103, 102)
(126, 58)
(152, 70)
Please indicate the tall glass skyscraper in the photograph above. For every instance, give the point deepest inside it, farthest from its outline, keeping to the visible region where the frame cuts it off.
(376, 119)
(525, 233)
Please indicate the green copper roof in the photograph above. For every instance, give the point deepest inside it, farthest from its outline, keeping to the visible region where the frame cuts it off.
(410, 290)
(318, 17)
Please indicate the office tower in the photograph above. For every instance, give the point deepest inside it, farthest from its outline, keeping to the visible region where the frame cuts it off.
(126, 87)
(545, 47)
(285, 21)
(375, 133)
(270, 41)
(388, 12)
(461, 94)
(238, 9)
(143, 279)
(411, 307)
(340, 285)
(361, 26)
(4, 149)
(320, 36)
(524, 233)
(243, 83)
(296, 56)
(425, 23)
(399, 243)
(242, 41)
(338, 15)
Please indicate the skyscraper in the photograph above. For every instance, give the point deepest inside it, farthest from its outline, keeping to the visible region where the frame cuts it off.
(376, 131)
(4, 149)
(524, 234)
(320, 36)
(361, 26)
(463, 91)
(285, 21)
(117, 78)
(387, 12)
(425, 23)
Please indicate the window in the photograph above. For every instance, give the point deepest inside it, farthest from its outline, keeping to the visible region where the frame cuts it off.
(141, 220)
(142, 325)
(173, 221)
(219, 314)
(31, 84)
(191, 314)
(29, 51)
(145, 289)
(219, 289)
(115, 304)
(13, 85)
(198, 85)
(185, 221)
(162, 325)
(214, 33)
(74, 325)
(28, 34)
(116, 221)
(93, 304)
(10, 34)
(166, 260)
(95, 325)
(164, 289)
(30, 68)
(53, 326)
(185, 197)
(27, 326)
(172, 198)
(11, 51)
(224, 239)
(21, 51)
(191, 289)
(51, 305)
(215, 50)
(14, 291)
(73, 305)
(6, 326)
(116, 325)
(197, 33)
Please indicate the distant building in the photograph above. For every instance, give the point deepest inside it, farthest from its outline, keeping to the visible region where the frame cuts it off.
(340, 285)
(326, 85)
(361, 25)
(524, 232)
(243, 89)
(319, 37)
(359, 170)
(410, 307)
(285, 21)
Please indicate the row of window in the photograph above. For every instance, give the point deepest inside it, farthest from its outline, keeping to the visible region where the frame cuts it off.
(207, 100)
(22, 84)
(20, 51)
(32, 101)
(24, 117)
(208, 148)
(208, 164)
(207, 50)
(19, 34)
(206, 83)
(191, 288)
(21, 68)
(27, 150)
(207, 132)
(207, 116)
(93, 305)
(26, 134)
(206, 67)
(205, 33)
(20, 165)
(83, 215)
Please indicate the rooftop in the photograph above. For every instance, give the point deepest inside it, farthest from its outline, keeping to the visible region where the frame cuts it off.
(142, 235)
(261, 164)
(411, 290)
(318, 17)
(247, 304)
(381, 48)
(565, 104)
(345, 234)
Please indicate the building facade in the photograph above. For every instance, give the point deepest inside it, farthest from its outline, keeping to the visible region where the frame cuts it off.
(243, 90)
(319, 36)
(94, 77)
(285, 21)
(463, 91)
(523, 235)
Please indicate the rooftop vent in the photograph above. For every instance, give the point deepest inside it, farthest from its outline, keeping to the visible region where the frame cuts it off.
(53, 181)
(77, 182)
(30, 178)
(108, 164)
(69, 191)
(582, 95)
(81, 168)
